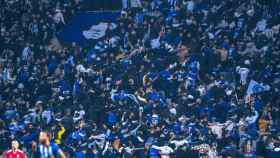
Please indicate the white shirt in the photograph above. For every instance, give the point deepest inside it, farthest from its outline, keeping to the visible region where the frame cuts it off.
(212, 154)
(47, 114)
(243, 75)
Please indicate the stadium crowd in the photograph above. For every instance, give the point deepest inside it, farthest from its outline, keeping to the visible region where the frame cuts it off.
(170, 81)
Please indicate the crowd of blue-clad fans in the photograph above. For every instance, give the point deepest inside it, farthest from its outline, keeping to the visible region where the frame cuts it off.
(171, 80)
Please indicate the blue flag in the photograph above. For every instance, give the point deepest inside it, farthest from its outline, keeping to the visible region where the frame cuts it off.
(255, 87)
(87, 25)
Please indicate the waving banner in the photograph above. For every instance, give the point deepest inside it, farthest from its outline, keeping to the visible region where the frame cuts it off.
(88, 25)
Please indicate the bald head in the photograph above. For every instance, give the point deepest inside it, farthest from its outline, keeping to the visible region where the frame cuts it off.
(15, 145)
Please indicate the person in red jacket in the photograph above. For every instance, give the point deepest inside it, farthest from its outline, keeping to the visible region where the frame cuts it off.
(14, 152)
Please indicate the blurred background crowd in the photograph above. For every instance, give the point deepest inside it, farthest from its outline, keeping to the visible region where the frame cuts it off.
(171, 80)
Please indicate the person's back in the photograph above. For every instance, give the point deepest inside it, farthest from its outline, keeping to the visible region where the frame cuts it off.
(47, 148)
(48, 151)
(67, 120)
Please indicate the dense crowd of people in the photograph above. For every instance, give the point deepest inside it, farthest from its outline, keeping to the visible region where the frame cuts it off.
(169, 81)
